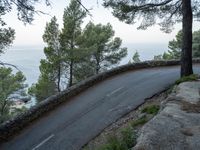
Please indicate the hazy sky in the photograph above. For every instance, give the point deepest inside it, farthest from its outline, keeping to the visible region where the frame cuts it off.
(32, 34)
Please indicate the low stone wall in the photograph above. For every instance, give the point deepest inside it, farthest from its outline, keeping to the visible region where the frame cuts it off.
(16, 124)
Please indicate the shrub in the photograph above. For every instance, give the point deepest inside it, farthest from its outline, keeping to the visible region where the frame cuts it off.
(127, 141)
(113, 143)
(128, 137)
(192, 77)
(139, 121)
(152, 109)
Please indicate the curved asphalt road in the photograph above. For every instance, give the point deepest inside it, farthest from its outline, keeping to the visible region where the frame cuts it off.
(73, 124)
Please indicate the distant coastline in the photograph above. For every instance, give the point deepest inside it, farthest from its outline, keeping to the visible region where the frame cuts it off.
(27, 58)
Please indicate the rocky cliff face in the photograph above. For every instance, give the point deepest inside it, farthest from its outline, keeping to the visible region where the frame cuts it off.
(177, 126)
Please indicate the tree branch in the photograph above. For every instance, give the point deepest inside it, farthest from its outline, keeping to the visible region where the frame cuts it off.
(8, 64)
(87, 10)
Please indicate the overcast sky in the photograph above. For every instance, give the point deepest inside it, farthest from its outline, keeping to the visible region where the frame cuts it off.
(32, 34)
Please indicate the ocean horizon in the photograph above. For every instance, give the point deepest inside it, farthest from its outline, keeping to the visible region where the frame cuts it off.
(27, 58)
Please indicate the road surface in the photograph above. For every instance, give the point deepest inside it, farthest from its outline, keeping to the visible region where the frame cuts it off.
(73, 124)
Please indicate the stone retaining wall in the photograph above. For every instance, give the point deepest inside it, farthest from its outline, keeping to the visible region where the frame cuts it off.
(16, 124)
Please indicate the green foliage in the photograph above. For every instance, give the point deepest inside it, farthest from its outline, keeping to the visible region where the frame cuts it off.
(128, 137)
(25, 12)
(157, 57)
(136, 57)
(113, 143)
(196, 44)
(105, 50)
(69, 38)
(25, 9)
(175, 47)
(6, 38)
(165, 12)
(11, 87)
(43, 88)
(51, 67)
(17, 111)
(6, 34)
(193, 77)
(125, 142)
(152, 109)
(139, 121)
(72, 54)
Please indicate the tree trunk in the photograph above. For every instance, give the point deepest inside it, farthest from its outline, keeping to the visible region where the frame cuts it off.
(97, 62)
(3, 107)
(71, 73)
(97, 68)
(59, 76)
(186, 55)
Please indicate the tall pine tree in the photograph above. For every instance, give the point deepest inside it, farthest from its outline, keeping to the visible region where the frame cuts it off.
(12, 86)
(175, 45)
(166, 13)
(105, 50)
(51, 68)
(69, 38)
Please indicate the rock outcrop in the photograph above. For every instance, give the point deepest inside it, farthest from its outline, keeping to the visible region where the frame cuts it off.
(177, 126)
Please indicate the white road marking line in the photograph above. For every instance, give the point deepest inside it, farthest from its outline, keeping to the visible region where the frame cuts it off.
(43, 142)
(115, 91)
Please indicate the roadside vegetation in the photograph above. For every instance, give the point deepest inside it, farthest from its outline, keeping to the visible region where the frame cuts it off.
(125, 141)
(140, 121)
(124, 138)
(152, 109)
(175, 47)
(75, 53)
(193, 77)
(72, 54)
(12, 86)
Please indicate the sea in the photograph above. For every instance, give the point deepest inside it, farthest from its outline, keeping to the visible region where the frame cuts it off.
(27, 58)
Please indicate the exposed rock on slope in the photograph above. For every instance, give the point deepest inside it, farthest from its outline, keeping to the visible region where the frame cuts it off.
(177, 126)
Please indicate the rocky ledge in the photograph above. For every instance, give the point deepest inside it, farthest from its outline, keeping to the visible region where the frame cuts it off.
(177, 125)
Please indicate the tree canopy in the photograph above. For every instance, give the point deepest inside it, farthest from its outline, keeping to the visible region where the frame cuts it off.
(25, 12)
(26, 8)
(69, 38)
(136, 57)
(51, 68)
(106, 49)
(174, 46)
(11, 87)
(164, 12)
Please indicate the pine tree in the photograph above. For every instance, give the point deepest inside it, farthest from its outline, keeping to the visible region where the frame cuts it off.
(44, 88)
(25, 13)
(25, 8)
(136, 57)
(105, 50)
(175, 45)
(53, 61)
(69, 38)
(6, 34)
(51, 68)
(11, 86)
(196, 44)
(166, 13)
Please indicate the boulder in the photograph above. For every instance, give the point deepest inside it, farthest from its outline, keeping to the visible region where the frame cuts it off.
(177, 125)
